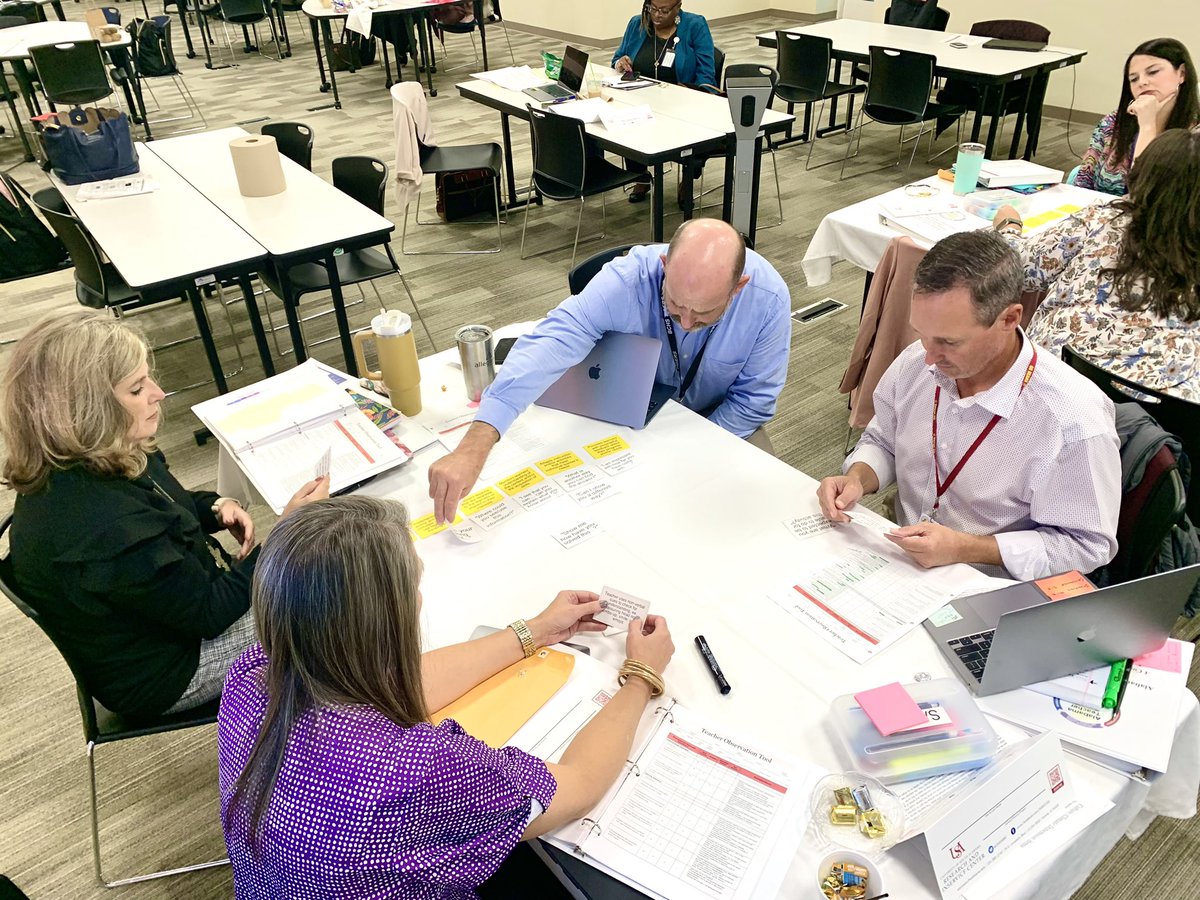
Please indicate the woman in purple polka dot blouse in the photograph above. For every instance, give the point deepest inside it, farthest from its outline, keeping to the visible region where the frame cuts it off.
(333, 782)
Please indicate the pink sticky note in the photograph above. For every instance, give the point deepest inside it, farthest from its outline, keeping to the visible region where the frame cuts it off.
(1165, 657)
(890, 708)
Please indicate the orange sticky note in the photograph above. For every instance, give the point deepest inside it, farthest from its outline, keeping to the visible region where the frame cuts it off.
(1068, 584)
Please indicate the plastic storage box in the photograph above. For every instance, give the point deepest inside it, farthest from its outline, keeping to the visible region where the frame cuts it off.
(985, 204)
(957, 738)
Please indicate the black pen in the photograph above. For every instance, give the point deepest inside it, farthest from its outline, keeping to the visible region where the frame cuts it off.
(711, 661)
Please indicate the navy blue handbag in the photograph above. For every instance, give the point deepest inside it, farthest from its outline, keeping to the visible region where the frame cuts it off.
(78, 156)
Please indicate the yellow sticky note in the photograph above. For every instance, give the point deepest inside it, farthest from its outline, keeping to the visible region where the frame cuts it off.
(519, 481)
(427, 526)
(606, 446)
(479, 501)
(560, 463)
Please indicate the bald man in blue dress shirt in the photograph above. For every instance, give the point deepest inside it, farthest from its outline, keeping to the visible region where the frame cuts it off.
(729, 311)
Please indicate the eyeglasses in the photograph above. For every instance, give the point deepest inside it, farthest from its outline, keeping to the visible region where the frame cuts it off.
(663, 11)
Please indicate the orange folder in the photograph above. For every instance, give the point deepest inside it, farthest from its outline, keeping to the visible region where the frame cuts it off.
(495, 710)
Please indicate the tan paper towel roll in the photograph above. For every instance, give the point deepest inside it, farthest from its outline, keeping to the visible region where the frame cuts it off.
(256, 164)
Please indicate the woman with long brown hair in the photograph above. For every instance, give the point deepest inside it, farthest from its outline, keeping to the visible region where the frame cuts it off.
(109, 548)
(334, 783)
(1124, 278)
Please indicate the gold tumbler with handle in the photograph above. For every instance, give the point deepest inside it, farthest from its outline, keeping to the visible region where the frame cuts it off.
(397, 352)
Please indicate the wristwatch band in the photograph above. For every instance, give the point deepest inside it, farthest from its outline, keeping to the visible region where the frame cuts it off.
(525, 636)
(221, 501)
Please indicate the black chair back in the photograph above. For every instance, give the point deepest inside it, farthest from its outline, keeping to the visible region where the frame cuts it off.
(242, 12)
(559, 155)
(1012, 30)
(71, 72)
(802, 61)
(938, 21)
(28, 13)
(362, 177)
(718, 64)
(579, 276)
(85, 257)
(11, 22)
(1178, 416)
(898, 90)
(294, 139)
(1149, 512)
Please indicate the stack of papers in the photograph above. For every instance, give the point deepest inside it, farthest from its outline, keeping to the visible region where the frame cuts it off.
(998, 173)
(116, 187)
(515, 78)
(928, 219)
(586, 111)
(618, 115)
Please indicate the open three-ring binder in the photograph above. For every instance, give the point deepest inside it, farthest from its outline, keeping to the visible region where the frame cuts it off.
(700, 811)
(278, 430)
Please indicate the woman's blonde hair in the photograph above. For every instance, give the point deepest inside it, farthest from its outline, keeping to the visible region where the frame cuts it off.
(60, 407)
(337, 610)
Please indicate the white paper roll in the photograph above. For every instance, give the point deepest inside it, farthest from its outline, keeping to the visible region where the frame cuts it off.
(256, 164)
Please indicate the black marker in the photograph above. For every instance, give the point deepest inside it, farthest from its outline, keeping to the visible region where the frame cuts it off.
(717, 674)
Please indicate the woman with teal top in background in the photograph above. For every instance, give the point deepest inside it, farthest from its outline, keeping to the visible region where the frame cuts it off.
(667, 44)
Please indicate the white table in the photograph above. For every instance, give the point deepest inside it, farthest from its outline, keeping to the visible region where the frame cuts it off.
(14, 50)
(855, 234)
(310, 221)
(686, 122)
(413, 10)
(988, 68)
(696, 530)
(162, 242)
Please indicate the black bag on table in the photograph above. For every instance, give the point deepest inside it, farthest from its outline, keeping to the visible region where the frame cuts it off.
(89, 145)
(352, 51)
(27, 246)
(465, 195)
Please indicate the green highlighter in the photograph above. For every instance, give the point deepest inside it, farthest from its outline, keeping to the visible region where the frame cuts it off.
(1112, 690)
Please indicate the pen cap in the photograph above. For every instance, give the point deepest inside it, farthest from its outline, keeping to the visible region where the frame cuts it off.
(957, 737)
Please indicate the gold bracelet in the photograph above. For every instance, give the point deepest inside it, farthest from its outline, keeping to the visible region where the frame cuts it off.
(525, 636)
(638, 669)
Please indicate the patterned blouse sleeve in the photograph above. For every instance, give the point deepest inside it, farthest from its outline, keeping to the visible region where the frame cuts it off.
(1096, 152)
(1046, 255)
(470, 808)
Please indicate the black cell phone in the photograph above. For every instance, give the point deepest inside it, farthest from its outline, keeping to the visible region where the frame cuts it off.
(629, 76)
(502, 347)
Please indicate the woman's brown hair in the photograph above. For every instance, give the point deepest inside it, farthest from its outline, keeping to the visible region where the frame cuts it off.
(1158, 263)
(60, 408)
(337, 609)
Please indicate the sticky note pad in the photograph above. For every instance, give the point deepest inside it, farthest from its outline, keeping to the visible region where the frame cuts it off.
(1166, 657)
(1068, 584)
(890, 708)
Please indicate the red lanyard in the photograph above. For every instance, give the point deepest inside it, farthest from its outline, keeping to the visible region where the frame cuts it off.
(943, 486)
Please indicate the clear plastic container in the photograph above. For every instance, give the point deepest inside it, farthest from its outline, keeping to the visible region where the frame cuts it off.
(957, 738)
(985, 203)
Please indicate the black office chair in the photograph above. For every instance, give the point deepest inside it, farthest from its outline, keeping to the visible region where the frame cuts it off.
(562, 169)
(363, 178)
(99, 285)
(898, 94)
(100, 726)
(939, 19)
(151, 40)
(294, 139)
(246, 13)
(1178, 416)
(803, 62)
(28, 13)
(71, 72)
(1148, 515)
(581, 275)
(471, 27)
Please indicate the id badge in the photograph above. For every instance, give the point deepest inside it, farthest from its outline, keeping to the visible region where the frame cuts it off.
(668, 60)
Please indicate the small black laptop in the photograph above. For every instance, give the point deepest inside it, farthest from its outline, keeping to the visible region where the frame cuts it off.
(570, 79)
(1005, 44)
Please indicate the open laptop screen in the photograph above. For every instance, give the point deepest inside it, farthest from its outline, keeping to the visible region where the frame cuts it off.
(573, 69)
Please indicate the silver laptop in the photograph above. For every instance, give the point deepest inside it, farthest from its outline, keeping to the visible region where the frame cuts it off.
(614, 383)
(1016, 636)
(570, 79)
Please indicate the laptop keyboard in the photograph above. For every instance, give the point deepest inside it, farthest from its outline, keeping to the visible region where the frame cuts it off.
(557, 91)
(973, 651)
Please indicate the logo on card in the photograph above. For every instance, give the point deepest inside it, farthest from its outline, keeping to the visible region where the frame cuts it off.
(1056, 779)
(602, 698)
(957, 850)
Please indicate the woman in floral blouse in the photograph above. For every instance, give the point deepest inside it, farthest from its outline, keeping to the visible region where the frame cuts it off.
(1158, 92)
(1124, 278)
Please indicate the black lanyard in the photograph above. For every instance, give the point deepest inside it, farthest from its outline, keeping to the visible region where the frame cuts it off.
(685, 380)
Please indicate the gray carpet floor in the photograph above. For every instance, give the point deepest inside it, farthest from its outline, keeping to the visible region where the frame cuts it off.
(159, 799)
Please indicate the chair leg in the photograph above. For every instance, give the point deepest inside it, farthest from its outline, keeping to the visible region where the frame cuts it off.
(411, 299)
(525, 225)
(165, 873)
(578, 226)
(812, 138)
(511, 55)
(417, 217)
(842, 174)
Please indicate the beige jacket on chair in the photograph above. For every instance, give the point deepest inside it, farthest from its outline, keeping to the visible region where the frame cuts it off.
(410, 120)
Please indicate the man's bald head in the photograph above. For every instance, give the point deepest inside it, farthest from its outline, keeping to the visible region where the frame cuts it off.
(711, 247)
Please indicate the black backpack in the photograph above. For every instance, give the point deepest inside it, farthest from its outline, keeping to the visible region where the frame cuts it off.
(152, 47)
(27, 246)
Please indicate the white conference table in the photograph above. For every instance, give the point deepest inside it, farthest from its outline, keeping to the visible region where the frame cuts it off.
(695, 529)
(310, 221)
(989, 68)
(686, 123)
(165, 241)
(855, 234)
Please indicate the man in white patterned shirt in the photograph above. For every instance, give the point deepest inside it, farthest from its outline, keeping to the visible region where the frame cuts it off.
(1026, 480)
